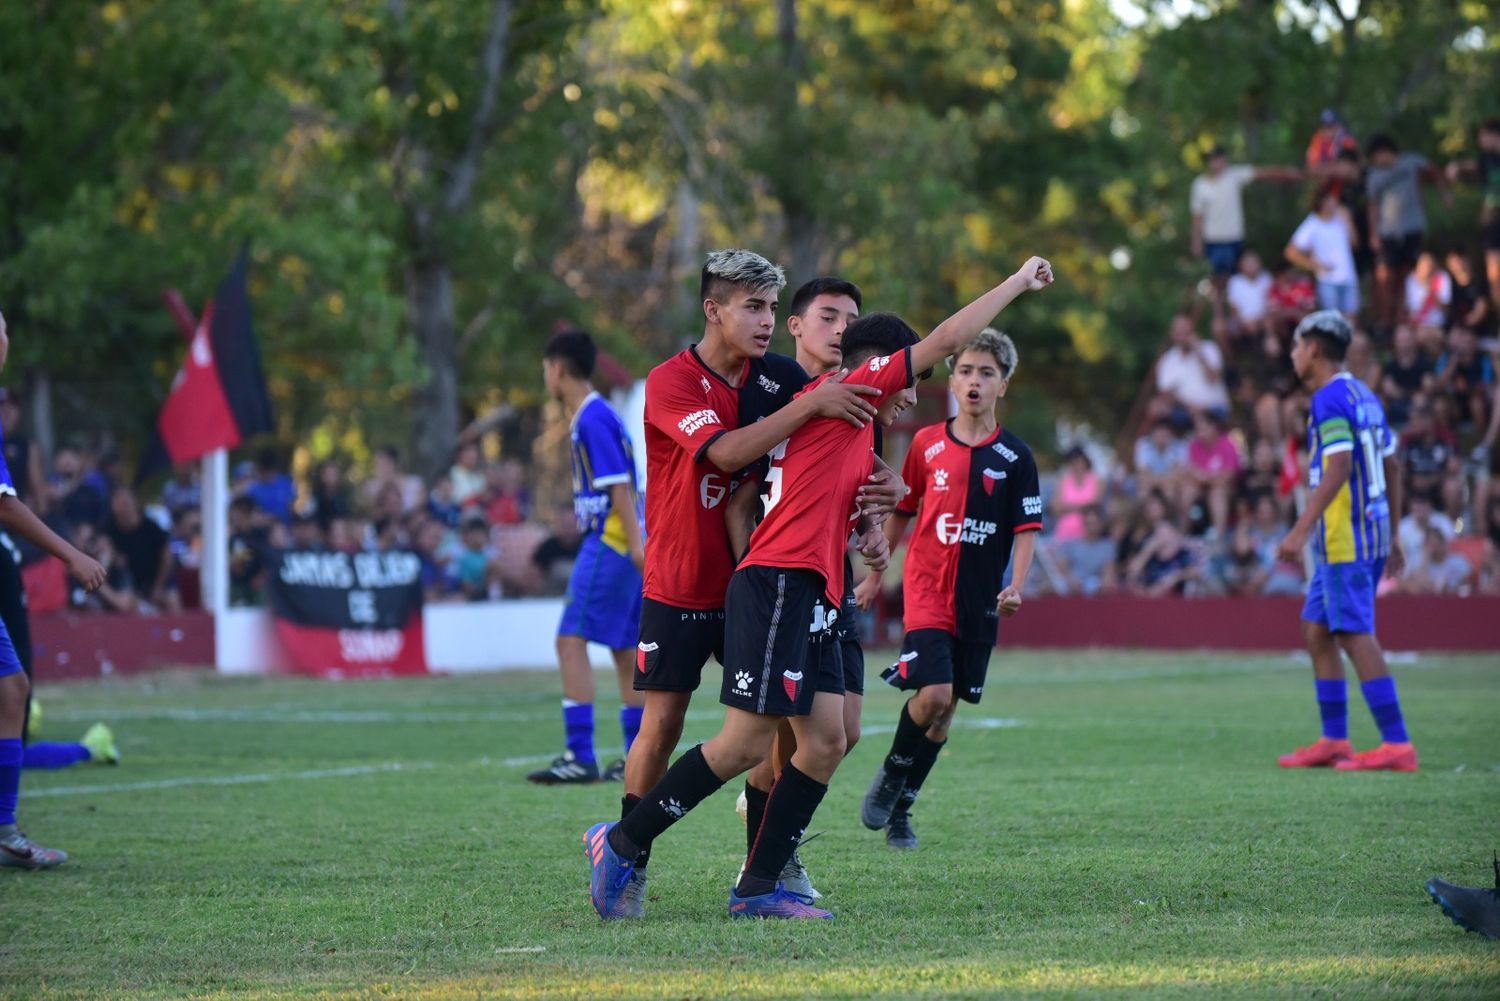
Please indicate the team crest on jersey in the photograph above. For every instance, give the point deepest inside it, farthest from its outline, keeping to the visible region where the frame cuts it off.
(992, 477)
(790, 682)
(939, 480)
(1004, 452)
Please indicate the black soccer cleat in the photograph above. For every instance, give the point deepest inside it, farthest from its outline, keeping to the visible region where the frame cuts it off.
(566, 770)
(880, 801)
(614, 773)
(899, 832)
(1470, 907)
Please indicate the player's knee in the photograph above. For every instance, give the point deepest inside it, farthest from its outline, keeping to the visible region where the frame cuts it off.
(931, 701)
(851, 735)
(13, 691)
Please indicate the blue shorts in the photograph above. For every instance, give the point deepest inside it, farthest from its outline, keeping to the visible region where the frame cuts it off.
(604, 597)
(9, 662)
(1341, 596)
(1344, 298)
(1224, 258)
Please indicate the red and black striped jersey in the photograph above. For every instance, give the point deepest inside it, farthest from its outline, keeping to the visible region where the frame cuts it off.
(969, 502)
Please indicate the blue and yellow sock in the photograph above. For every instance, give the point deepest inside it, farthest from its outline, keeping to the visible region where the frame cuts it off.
(1333, 707)
(10, 779)
(578, 722)
(630, 723)
(1380, 696)
(46, 755)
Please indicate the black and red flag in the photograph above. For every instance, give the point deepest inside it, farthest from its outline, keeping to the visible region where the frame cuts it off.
(219, 397)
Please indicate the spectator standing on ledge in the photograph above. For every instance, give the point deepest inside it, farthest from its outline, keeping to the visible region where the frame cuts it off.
(1324, 245)
(1486, 168)
(1333, 152)
(1397, 223)
(1218, 210)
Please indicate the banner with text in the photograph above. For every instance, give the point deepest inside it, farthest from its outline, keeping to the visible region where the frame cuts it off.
(349, 615)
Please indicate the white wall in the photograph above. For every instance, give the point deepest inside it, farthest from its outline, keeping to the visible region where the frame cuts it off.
(485, 636)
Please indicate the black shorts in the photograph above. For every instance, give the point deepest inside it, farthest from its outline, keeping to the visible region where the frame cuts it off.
(1400, 252)
(675, 644)
(852, 653)
(779, 646)
(937, 657)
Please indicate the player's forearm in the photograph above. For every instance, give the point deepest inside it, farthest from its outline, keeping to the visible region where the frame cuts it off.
(1025, 549)
(963, 326)
(1300, 259)
(735, 450)
(622, 502)
(739, 518)
(18, 518)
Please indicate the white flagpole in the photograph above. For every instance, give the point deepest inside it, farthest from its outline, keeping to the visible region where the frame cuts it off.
(213, 570)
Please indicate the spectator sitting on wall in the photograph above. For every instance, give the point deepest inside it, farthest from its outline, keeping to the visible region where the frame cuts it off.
(249, 537)
(387, 472)
(430, 543)
(1429, 291)
(1077, 487)
(1470, 306)
(346, 535)
(1441, 571)
(1406, 374)
(1422, 518)
(506, 499)
(306, 532)
(1213, 466)
(117, 593)
(467, 475)
(74, 492)
(1467, 375)
(1159, 459)
(1266, 531)
(1087, 563)
(1189, 374)
(473, 569)
(1138, 525)
(182, 489)
(329, 496)
(1265, 379)
(143, 544)
(1263, 477)
(440, 503)
(272, 490)
(1249, 298)
(1165, 565)
(1425, 454)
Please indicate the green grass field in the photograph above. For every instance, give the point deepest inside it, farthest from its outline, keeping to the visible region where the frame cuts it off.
(1115, 826)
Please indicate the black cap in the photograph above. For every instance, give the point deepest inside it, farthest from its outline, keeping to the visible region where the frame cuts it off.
(1217, 150)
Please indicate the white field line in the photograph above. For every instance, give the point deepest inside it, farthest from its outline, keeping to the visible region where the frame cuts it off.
(235, 780)
(519, 761)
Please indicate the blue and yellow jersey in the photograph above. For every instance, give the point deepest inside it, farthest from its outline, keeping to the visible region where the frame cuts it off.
(602, 457)
(1347, 417)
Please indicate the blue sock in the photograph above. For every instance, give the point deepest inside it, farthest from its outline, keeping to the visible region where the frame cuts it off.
(10, 778)
(44, 755)
(578, 721)
(630, 722)
(1333, 706)
(1380, 696)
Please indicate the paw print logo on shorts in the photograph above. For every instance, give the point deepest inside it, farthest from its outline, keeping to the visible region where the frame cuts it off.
(742, 683)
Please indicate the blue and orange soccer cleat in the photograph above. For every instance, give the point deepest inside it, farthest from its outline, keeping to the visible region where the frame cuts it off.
(779, 903)
(609, 873)
(1385, 758)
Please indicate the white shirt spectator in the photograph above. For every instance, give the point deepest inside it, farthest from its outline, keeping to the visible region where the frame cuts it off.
(1427, 302)
(1183, 374)
(1411, 534)
(1447, 577)
(1217, 200)
(1248, 296)
(1327, 242)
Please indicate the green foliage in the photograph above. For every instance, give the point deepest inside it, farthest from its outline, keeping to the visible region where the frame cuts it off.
(1131, 837)
(921, 147)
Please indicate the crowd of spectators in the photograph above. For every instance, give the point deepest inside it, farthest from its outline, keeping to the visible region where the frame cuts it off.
(1214, 479)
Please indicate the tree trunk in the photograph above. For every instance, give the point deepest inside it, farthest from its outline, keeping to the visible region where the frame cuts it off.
(429, 290)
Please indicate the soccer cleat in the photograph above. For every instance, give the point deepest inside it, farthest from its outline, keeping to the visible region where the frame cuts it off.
(796, 880)
(1323, 753)
(19, 852)
(899, 832)
(880, 801)
(632, 903)
(1469, 907)
(565, 770)
(101, 745)
(609, 874)
(614, 773)
(1385, 758)
(779, 903)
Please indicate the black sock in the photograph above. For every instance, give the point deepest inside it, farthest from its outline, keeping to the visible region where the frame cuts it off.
(627, 803)
(921, 763)
(789, 809)
(909, 736)
(755, 812)
(687, 783)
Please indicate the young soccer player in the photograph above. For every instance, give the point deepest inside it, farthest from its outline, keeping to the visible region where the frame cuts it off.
(1355, 480)
(711, 411)
(975, 497)
(821, 310)
(17, 850)
(778, 599)
(604, 591)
